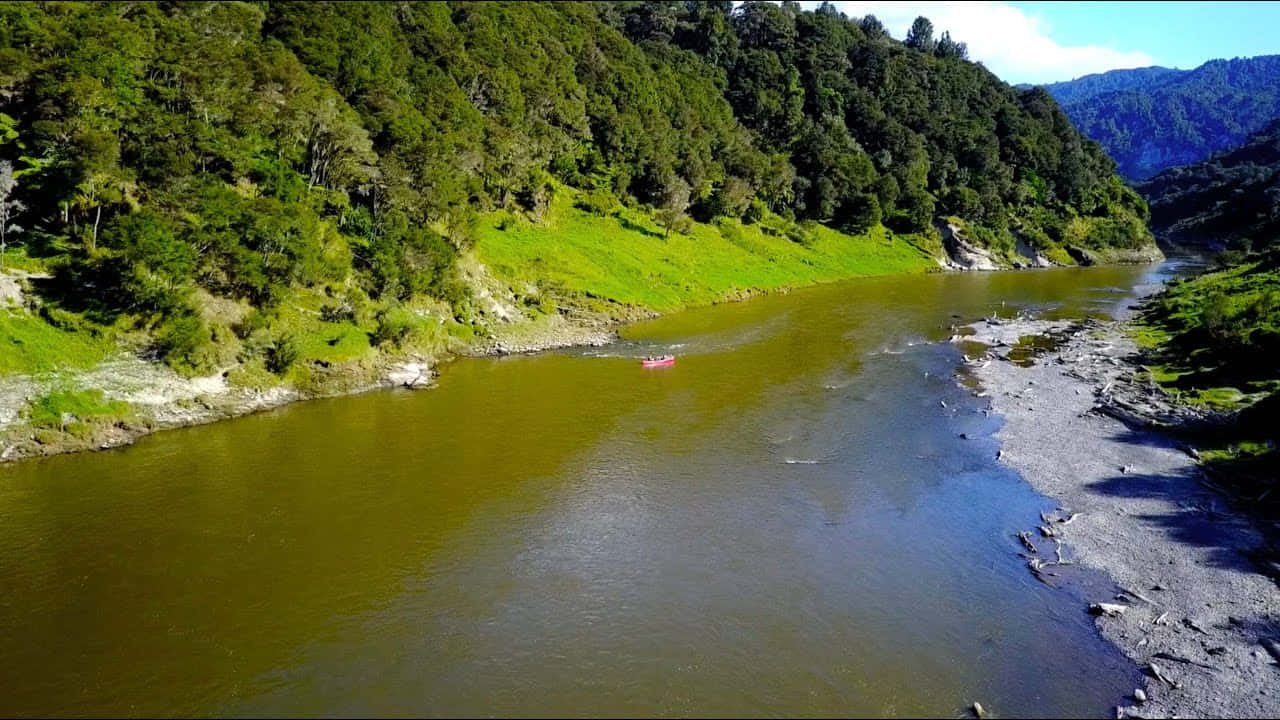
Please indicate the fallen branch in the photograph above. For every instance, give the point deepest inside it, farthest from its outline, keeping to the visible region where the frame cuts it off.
(1183, 660)
(1192, 624)
(1158, 674)
(1108, 609)
(1138, 595)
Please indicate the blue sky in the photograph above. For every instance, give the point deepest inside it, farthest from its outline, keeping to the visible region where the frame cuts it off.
(1047, 41)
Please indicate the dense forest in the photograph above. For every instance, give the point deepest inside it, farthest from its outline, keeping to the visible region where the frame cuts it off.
(1086, 87)
(1150, 119)
(172, 162)
(1229, 201)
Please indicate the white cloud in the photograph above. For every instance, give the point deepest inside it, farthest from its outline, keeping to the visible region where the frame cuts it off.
(1013, 44)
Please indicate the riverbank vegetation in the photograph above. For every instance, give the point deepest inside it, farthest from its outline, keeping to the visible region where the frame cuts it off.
(30, 343)
(78, 412)
(297, 191)
(1213, 341)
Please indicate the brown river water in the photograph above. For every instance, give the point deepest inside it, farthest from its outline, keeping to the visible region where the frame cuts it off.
(786, 522)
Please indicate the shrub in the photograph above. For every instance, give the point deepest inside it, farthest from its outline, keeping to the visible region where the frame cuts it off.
(859, 214)
(801, 234)
(597, 202)
(65, 319)
(754, 213)
(281, 354)
(181, 340)
(337, 313)
(729, 230)
(394, 326)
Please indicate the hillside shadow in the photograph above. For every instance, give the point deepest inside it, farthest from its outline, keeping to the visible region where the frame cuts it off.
(1204, 518)
(1170, 439)
(1263, 626)
(1248, 481)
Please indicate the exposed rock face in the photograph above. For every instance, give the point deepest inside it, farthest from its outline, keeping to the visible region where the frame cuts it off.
(494, 299)
(1139, 255)
(1080, 255)
(161, 398)
(962, 254)
(1034, 258)
(10, 292)
(1116, 255)
(410, 374)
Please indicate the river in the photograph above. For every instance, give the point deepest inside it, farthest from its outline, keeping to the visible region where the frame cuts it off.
(786, 522)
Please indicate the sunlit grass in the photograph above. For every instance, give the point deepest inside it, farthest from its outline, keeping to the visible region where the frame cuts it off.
(626, 258)
(75, 411)
(29, 344)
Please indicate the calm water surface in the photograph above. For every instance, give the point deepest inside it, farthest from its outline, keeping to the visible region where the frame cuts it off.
(784, 523)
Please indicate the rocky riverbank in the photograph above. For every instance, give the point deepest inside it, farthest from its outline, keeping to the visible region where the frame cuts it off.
(160, 398)
(157, 397)
(1194, 601)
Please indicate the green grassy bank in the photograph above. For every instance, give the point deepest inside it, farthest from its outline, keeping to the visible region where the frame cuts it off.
(623, 256)
(1213, 341)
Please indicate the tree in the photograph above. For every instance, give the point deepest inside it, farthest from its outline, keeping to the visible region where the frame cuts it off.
(873, 28)
(675, 200)
(765, 26)
(338, 148)
(920, 36)
(950, 48)
(651, 21)
(829, 10)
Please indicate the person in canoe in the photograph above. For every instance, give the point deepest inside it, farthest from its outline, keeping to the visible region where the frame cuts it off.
(651, 361)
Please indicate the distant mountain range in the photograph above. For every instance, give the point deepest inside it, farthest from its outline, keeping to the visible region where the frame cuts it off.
(1153, 118)
(1231, 200)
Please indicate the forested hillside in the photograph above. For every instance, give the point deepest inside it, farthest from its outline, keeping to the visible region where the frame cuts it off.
(1229, 201)
(1150, 119)
(199, 174)
(1083, 88)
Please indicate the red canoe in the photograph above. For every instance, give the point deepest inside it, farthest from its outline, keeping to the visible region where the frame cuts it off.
(659, 362)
